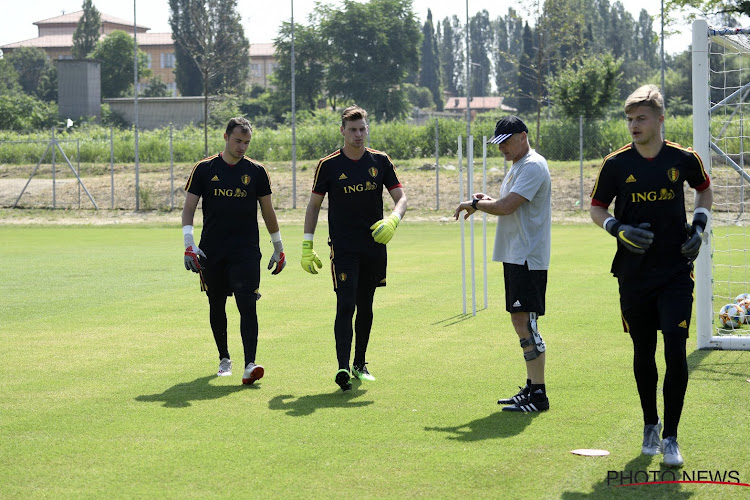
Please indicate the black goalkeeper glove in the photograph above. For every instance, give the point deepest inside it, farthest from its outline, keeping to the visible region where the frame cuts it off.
(636, 239)
(692, 246)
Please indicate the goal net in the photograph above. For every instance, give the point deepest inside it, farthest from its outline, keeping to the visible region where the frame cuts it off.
(721, 98)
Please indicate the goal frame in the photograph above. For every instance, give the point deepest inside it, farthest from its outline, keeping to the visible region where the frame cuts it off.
(703, 145)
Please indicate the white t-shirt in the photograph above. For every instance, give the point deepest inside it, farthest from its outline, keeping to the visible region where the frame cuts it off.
(525, 235)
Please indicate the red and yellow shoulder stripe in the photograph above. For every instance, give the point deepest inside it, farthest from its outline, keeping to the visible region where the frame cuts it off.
(192, 172)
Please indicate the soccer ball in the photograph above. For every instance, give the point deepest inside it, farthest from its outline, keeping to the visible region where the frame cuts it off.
(741, 297)
(745, 306)
(731, 316)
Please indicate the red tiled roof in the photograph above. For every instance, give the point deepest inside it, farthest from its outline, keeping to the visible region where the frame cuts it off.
(66, 41)
(491, 102)
(262, 49)
(73, 17)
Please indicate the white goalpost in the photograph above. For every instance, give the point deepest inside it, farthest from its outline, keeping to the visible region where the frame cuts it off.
(721, 95)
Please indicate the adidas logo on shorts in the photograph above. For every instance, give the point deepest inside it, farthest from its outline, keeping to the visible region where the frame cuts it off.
(517, 303)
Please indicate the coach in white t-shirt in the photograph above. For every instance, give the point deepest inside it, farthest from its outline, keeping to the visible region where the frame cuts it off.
(522, 244)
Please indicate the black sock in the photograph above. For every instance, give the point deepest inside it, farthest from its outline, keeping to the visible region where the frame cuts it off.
(538, 389)
(528, 382)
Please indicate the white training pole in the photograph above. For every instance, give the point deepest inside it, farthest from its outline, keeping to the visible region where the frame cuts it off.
(484, 216)
(470, 186)
(461, 219)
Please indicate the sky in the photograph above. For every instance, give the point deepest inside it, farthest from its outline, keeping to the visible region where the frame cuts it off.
(261, 22)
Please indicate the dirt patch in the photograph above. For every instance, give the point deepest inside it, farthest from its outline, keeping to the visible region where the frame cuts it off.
(431, 196)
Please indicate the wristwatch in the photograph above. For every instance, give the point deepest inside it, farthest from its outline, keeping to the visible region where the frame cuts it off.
(474, 203)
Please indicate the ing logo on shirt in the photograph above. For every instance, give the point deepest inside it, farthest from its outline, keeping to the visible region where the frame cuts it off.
(673, 174)
(663, 195)
(373, 172)
(230, 193)
(358, 188)
(245, 179)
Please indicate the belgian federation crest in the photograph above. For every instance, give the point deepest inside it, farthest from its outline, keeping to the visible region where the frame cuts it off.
(673, 174)
(245, 179)
(373, 172)
(342, 277)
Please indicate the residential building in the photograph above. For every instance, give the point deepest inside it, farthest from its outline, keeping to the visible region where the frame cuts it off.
(56, 38)
(478, 104)
(262, 63)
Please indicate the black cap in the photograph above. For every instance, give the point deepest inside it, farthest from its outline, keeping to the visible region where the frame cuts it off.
(507, 126)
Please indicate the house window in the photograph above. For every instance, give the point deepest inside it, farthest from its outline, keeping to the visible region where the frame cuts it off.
(148, 58)
(167, 60)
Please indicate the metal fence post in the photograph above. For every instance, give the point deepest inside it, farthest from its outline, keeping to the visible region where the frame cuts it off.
(78, 170)
(437, 166)
(171, 169)
(54, 173)
(112, 168)
(580, 148)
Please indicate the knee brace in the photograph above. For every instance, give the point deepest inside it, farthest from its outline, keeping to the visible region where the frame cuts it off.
(535, 340)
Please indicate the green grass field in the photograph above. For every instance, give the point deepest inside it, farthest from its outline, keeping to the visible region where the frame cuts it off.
(109, 389)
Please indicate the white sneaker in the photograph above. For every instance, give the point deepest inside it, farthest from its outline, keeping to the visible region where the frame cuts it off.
(225, 367)
(252, 373)
(651, 441)
(671, 451)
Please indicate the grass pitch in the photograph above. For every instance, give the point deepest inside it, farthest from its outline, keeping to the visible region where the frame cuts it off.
(109, 388)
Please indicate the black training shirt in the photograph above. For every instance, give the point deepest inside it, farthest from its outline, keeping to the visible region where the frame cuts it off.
(230, 202)
(355, 195)
(650, 190)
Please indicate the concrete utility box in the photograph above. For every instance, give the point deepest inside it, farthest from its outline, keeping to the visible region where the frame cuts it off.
(79, 89)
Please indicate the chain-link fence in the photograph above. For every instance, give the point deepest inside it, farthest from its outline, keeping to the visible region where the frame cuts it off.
(98, 169)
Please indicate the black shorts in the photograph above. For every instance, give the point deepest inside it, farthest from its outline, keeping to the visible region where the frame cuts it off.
(665, 304)
(365, 269)
(232, 273)
(525, 290)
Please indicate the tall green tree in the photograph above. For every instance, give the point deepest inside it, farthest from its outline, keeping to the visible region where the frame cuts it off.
(231, 48)
(429, 74)
(310, 56)
(372, 47)
(210, 35)
(459, 44)
(187, 74)
(587, 88)
(30, 64)
(481, 41)
(87, 31)
(448, 57)
(563, 29)
(621, 39)
(647, 42)
(47, 88)
(115, 54)
(8, 78)
(527, 72)
(508, 50)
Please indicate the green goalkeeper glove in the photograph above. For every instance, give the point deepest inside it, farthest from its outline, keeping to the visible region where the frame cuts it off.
(382, 230)
(309, 257)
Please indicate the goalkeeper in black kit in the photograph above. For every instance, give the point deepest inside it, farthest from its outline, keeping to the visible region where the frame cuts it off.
(228, 259)
(354, 178)
(654, 259)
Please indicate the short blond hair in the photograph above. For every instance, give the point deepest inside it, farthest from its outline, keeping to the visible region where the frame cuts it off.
(646, 95)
